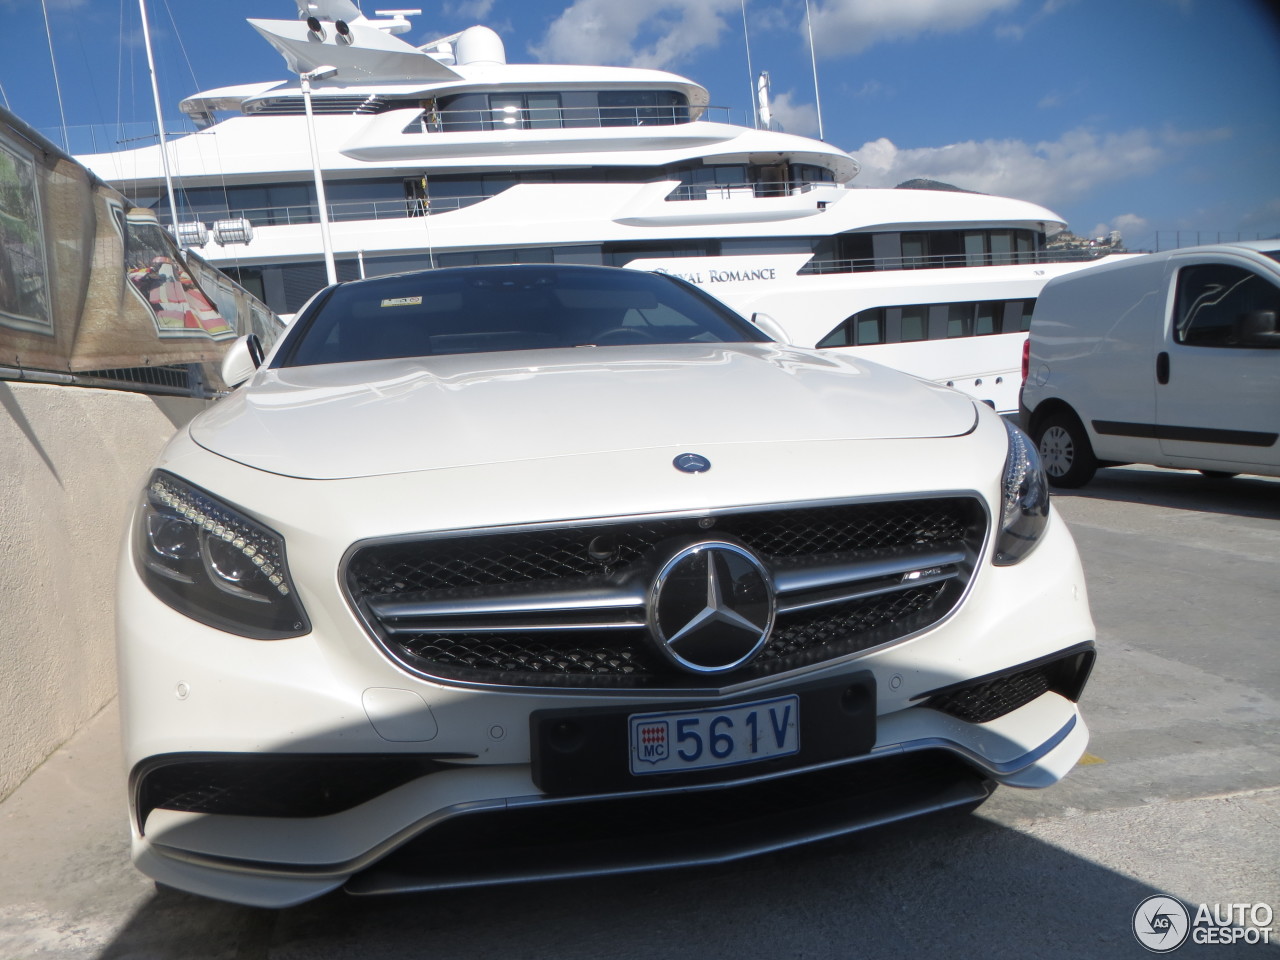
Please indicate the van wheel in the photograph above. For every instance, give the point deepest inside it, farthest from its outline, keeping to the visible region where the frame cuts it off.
(1064, 447)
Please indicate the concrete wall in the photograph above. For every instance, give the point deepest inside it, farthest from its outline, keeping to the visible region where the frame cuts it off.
(72, 460)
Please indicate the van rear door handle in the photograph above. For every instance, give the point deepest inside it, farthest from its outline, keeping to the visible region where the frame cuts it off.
(1162, 367)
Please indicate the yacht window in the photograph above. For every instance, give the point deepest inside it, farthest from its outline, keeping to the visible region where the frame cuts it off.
(869, 329)
(638, 108)
(913, 323)
(543, 110)
(913, 250)
(764, 246)
(839, 337)
(975, 248)
(987, 320)
(960, 320)
(945, 248)
(1002, 247)
(521, 111)
(1025, 243)
(1017, 316)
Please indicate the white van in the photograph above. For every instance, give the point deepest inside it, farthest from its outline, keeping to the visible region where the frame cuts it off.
(1171, 359)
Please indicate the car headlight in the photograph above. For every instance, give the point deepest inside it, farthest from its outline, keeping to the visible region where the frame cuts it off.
(1025, 495)
(210, 562)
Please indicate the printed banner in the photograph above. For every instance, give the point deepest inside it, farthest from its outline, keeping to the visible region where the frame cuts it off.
(88, 282)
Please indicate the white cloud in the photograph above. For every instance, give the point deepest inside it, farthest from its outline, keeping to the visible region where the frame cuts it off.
(476, 10)
(661, 34)
(1130, 226)
(1049, 172)
(845, 27)
(798, 118)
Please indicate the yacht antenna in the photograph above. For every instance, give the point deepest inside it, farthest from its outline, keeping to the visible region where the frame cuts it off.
(746, 39)
(813, 59)
(57, 86)
(155, 96)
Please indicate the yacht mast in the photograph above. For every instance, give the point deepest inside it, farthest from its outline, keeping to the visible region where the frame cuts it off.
(813, 59)
(746, 39)
(164, 140)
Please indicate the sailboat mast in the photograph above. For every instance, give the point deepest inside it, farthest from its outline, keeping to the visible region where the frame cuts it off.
(164, 140)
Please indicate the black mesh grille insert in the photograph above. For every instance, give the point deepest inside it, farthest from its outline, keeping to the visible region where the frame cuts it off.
(601, 556)
(993, 697)
(272, 785)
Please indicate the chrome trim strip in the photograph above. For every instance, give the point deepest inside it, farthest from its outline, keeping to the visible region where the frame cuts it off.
(818, 578)
(846, 595)
(543, 601)
(511, 627)
(407, 617)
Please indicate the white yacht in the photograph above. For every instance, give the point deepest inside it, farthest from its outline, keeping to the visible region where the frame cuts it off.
(446, 154)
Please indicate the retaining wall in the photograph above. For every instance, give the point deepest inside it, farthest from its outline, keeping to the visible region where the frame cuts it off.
(72, 461)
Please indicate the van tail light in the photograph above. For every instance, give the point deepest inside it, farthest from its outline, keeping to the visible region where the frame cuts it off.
(1026, 359)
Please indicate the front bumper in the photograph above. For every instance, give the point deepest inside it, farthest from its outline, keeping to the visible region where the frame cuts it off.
(332, 695)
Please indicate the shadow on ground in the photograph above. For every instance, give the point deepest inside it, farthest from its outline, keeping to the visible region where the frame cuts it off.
(952, 881)
(1184, 490)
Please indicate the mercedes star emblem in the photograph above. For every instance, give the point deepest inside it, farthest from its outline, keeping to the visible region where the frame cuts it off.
(692, 463)
(711, 607)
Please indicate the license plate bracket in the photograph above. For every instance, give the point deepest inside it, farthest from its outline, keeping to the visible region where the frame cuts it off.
(587, 750)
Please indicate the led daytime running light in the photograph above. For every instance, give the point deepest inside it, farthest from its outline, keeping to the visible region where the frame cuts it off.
(188, 505)
(1015, 477)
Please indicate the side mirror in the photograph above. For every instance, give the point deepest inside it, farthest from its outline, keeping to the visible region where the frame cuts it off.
(241, 360)
(770, 326)
(1257, 328)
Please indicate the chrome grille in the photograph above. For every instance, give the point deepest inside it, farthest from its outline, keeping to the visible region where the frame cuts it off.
(565, 606)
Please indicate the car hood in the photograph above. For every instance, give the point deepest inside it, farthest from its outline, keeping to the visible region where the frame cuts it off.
(372, 418)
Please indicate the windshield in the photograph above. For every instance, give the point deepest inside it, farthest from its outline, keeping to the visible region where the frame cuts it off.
(521, 307)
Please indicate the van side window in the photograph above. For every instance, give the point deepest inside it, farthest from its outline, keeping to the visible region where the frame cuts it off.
(1212, 300)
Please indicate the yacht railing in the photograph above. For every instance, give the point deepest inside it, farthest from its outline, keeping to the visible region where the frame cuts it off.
(402, 207)
(512, 117)
(107, 138)
(943, 261)
(304, 213)
(740, 191)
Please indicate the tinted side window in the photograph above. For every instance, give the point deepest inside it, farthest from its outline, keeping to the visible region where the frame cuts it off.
(1212, 299)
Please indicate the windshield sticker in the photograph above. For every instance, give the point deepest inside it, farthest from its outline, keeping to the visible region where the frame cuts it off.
(403, 302)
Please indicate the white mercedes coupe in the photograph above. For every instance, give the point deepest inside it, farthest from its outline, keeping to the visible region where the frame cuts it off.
(503, 573)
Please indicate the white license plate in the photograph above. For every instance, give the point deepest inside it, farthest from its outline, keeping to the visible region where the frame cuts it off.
(719, 737)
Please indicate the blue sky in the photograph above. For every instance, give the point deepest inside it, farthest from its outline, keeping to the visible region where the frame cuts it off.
(1147, 116)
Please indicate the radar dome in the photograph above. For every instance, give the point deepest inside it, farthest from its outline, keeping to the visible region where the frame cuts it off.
(480, 45)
